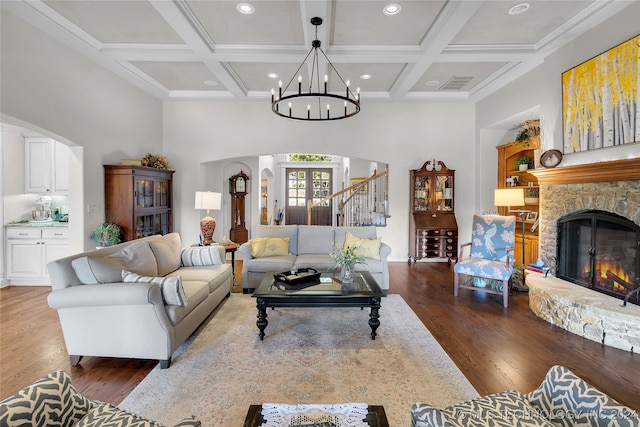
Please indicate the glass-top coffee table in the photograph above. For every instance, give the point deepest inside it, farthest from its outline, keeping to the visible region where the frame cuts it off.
(328, 291)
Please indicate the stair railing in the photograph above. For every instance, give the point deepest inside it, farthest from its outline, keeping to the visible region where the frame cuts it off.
(361, 204)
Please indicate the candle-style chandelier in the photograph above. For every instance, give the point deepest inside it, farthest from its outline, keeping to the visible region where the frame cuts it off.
(315, 103)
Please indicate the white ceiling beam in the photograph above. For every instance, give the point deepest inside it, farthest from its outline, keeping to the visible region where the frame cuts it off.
(451, 20)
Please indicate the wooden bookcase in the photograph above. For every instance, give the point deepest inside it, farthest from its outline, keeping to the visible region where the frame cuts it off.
(507, 156)
(433, 230)
(139, 199)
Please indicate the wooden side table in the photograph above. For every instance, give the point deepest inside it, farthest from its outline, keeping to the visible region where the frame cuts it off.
(232, 248)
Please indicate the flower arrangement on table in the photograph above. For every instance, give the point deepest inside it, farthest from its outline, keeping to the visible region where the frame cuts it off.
(153, 161)
(347, 257)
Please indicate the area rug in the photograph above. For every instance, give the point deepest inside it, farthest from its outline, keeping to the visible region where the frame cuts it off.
(309, 355)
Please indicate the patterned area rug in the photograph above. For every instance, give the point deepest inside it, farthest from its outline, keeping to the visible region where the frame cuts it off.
(319, 355)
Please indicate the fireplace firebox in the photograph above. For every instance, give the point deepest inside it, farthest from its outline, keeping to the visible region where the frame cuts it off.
(601, 251)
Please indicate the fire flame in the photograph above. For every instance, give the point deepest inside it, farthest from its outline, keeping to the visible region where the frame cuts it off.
(615, 269)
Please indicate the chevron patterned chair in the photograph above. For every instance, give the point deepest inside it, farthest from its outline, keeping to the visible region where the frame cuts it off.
(562, 400)
(54, 402)
(489, 265)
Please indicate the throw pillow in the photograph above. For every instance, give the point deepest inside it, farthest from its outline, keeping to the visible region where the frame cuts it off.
(171, 287)
(368, 248)
(505, 409)
(105, 414)
(269, 246)
(167, 251)
(52, 401)
(276, 246)
(95, 269)
(568, 401)
(200, 256)
(257, 246)
(137, 257)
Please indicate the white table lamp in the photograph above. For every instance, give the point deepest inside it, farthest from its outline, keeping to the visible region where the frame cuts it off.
(210, 201)
(513, 197)
(508, 197)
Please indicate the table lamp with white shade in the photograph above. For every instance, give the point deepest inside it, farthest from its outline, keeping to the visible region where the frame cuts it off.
(210, 201)
(513, 197)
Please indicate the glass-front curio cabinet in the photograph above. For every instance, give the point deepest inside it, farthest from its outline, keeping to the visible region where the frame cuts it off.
(138, 199)
(433, 230)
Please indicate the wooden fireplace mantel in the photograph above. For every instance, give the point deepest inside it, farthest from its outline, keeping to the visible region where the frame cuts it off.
(613, 170)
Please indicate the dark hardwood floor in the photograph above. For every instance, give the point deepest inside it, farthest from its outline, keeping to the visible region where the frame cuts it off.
(496, 348)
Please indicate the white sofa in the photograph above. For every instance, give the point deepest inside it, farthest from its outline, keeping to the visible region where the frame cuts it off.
(105, 314)
(309, 246)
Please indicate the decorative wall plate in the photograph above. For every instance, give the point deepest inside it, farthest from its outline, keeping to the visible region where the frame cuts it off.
(551, 158)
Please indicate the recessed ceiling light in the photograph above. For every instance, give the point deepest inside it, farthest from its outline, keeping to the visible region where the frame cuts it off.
(432, 83)
(245, 8)
(210, 83)
(273, 75)
(392, 9)
(366, 76)
(519, 8)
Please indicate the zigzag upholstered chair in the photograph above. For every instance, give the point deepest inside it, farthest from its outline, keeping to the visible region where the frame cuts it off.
(490, 263)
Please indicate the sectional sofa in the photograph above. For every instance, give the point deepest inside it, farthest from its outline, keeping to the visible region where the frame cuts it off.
(140, 299)
(309, 246)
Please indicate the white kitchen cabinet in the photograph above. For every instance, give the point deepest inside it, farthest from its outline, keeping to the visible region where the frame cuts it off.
(60, 168)
(46, 166)
(29, 249)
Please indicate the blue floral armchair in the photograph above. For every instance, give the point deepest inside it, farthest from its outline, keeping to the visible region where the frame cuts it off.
(490, 263)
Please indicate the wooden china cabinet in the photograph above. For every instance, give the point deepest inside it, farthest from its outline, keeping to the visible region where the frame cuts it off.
(139, 199)
(433, 230)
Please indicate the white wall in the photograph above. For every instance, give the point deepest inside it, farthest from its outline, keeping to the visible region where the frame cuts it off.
(543, 87)
(2, 278)
(53, 90)
(401, 135)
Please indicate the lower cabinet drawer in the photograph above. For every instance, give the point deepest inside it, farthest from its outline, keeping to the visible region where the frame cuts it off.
(55, 233)
(23, 233)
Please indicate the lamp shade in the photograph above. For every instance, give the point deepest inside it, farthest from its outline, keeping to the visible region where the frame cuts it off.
(508, 197)
(208, 200)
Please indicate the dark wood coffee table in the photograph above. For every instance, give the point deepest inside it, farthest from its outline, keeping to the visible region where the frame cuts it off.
(363, 292)
(375, 418)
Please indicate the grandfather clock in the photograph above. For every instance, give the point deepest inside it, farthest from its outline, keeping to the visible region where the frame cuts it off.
(238, 191)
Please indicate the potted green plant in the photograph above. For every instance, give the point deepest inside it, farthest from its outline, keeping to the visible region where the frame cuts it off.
(523, 136)
(523, 163)
(107, 234)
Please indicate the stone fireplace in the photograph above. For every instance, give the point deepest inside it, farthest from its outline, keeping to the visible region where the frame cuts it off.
(609, 187)
(601, 251)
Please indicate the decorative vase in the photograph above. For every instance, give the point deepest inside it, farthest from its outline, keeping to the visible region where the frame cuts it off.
(523, 167)
(346, 274)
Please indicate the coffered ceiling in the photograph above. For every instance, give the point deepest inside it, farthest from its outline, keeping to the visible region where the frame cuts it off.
(439, 50)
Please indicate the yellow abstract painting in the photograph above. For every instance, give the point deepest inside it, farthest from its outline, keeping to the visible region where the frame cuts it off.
(601, 100)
